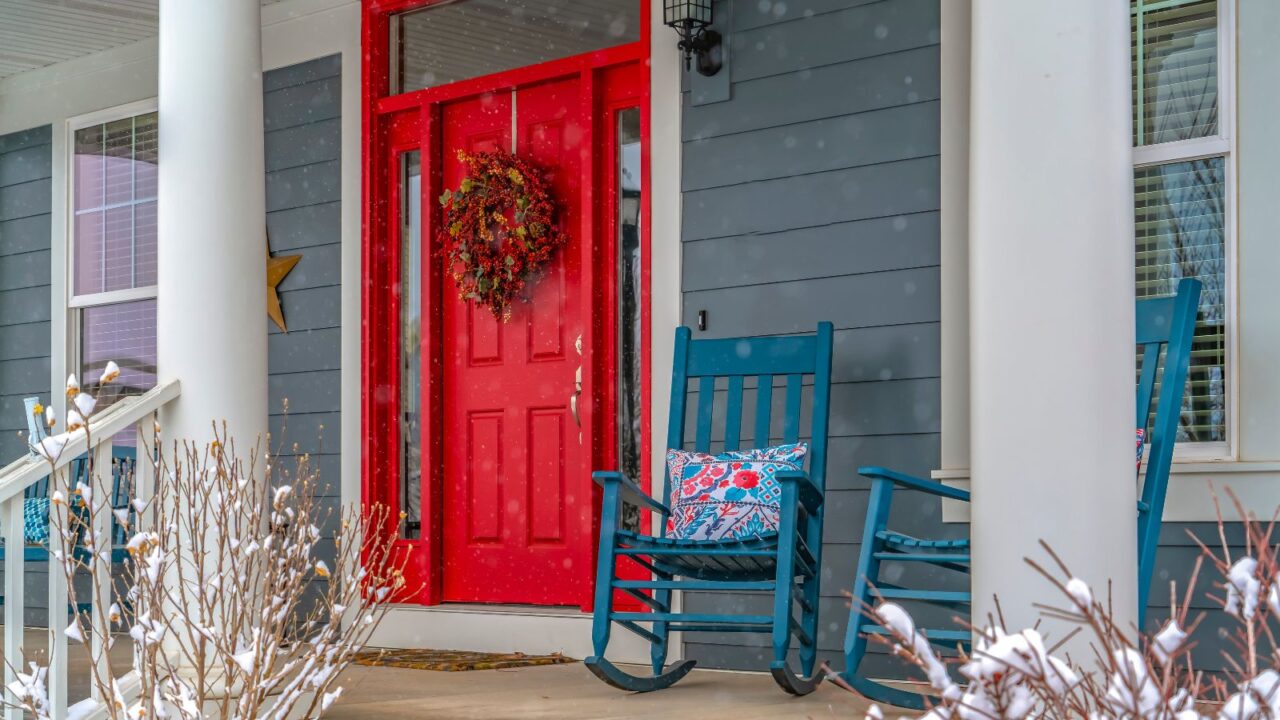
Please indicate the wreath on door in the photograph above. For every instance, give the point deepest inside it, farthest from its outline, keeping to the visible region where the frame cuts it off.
(498, 229)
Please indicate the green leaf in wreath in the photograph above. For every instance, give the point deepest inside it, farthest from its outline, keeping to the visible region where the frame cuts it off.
(510, 261)
(465, 186)
(455, 228)
(464, 256)
(445, 196)
(521, 232)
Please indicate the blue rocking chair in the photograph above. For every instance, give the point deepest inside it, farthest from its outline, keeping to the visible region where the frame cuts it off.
(1167, 324)
(36, 549)
(786, 563)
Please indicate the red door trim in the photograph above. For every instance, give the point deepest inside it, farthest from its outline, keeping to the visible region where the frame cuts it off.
(380, 382)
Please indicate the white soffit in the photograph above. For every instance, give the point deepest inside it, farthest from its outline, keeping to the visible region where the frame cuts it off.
(36, 33)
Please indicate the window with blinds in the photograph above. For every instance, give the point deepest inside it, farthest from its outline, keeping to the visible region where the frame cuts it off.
(113, 272)
(1180, 188)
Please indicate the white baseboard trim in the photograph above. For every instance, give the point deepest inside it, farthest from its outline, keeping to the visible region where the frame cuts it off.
(503, 629)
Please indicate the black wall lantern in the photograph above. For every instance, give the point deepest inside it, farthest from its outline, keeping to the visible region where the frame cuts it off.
(691, 18)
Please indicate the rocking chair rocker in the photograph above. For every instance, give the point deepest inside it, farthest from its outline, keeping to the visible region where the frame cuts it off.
(1166, 323)
(786, 563)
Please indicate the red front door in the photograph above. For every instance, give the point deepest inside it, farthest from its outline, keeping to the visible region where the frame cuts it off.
(482, 434)
(516, 507)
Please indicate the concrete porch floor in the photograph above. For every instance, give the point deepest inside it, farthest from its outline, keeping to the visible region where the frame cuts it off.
(570, 692)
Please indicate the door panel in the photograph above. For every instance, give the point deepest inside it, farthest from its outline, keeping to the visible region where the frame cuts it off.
(517, 480)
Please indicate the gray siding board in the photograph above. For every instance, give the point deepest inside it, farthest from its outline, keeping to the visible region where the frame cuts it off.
(848, 248)
(306, 391)
(24, 270)
(24, 306)
(895, 188)
(28, 376)
(320, 266)
(305, 350)
(25, 199)
(897, 133)
(869, 300)
(21, 342)
(751, 15)
(862, 31)
(316, 433)
(304, 227)
(303, 104)
(857, 86)
(305, 185)
(303, 144)
(30, 163)
(27, 234)
(21, 139)
(311, 308)
(302, 73)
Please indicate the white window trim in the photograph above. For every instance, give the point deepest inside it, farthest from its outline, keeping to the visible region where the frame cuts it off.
(75, 303)
(1253, 476)
(1223, 145)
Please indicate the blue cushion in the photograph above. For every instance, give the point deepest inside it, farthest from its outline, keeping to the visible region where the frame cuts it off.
(36, 513)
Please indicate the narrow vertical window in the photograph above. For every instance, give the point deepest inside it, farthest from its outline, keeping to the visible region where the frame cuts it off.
(1182, 175)
(411, 342)
(113, 274)
(628, 188)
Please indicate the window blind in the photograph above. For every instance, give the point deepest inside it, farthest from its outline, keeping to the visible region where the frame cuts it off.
(1175, 69)
(1179, 224)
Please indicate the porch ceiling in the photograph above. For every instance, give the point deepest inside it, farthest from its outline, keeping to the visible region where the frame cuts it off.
(36, 33)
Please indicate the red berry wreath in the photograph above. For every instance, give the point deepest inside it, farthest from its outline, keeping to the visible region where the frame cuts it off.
(498, 229)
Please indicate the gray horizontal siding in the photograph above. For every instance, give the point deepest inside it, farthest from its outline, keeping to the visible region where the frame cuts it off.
(302, 114)
(812, 194)
(25, 274)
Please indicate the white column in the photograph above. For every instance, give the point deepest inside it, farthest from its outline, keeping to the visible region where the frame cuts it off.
(1051, 302)
(211, 312)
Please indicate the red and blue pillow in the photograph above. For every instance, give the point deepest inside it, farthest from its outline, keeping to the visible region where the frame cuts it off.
(1141, 437)
(730, 496)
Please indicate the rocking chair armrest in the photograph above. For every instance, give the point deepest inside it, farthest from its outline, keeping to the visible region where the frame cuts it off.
(915, 483)
(628, 490)
(810, 495)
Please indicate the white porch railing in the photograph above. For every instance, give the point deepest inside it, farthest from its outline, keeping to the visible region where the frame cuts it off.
(15, 478)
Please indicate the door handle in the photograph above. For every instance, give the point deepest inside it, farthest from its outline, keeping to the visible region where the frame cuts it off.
(573, 399)
(577, 389)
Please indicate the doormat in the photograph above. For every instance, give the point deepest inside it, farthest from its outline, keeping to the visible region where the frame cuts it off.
(455, 660)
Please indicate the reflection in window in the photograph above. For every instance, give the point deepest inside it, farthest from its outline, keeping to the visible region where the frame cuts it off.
(629, 328)
(113, 185)
(1175, 70)
(1179, 224)
(454, 41)
(410, 342)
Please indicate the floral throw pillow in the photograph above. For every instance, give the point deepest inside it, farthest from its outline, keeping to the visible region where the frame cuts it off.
(732, 495)
(1141, 436)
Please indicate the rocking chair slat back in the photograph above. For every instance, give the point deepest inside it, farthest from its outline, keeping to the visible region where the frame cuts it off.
(724, 366)
(1167, 323)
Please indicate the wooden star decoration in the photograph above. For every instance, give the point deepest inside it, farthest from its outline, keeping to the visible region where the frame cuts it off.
(277, 268)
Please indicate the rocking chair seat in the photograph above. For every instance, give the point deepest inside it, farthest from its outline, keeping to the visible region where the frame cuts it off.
(906, 542)
(725, 559)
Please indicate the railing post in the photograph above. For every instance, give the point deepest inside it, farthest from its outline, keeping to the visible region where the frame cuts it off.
(58, 523)
(101, 483)
(14, 592)
(144, 487)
